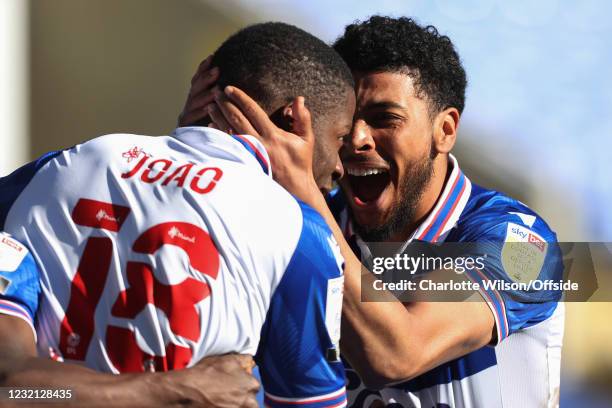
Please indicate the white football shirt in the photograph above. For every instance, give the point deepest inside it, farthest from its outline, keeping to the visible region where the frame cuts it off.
(157, 251)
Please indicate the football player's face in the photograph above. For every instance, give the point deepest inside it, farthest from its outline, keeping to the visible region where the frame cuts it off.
(388, 156)
(330, 132)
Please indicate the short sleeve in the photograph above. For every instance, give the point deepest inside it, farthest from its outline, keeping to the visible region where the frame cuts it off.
(299, 356)
(519, 258)
(19, 280)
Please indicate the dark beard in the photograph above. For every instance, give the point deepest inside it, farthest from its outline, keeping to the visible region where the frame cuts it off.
(416, 178)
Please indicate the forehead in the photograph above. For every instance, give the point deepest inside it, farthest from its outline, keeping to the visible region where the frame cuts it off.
(383, 87)
(342, 116)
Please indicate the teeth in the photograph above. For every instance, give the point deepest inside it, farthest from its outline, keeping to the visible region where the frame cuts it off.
(364, 172)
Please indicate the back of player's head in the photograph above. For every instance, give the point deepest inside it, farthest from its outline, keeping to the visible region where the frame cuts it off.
(276, 62)
(401, 45)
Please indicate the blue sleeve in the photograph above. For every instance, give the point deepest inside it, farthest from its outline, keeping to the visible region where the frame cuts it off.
(518, 252)
(19, 280)
(299, 356)
(12, 185)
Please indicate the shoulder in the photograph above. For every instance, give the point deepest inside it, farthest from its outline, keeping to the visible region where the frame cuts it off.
(112, 139)
(122, 146)
(317, 253)
(490, 214)
(312, 219)
(520, 244)
(93, 153)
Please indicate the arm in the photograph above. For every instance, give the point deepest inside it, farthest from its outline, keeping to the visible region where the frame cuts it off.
(214, 382)
(20, 367)
(386, 342)
(298, 354)
(223, 381)
(389, 341)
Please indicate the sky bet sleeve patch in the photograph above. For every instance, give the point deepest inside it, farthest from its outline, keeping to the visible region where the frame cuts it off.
(523, 253)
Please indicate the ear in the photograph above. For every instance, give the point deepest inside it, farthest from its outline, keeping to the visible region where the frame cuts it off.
(445, 130)
(283, 117)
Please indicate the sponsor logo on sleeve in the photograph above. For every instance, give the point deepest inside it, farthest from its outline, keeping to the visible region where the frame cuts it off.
(537, 241)
(337, 253)
(523, 253)
(11, 253)
(333, 311)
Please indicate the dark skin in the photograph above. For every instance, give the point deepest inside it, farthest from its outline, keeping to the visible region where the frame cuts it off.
(421, 335)
(392, 130)
(223, 381)
(205, 104)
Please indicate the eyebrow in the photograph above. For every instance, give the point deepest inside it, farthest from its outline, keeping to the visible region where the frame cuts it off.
(384, 105)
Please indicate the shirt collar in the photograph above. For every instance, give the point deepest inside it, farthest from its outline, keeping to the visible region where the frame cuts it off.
(242, 147)
(448, 208)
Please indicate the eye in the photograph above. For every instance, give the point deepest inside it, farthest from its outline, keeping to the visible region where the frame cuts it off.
(340, 140)
(384, 119)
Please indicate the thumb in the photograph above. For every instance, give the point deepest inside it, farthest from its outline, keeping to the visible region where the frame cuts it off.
(302, 123)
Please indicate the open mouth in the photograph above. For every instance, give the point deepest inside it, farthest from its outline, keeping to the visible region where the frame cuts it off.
(367, 184)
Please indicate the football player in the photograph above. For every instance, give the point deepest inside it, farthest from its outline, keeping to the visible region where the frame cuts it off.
(158, 251)
(402, 184)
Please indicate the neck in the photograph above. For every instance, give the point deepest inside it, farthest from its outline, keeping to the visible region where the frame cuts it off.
(429, 198)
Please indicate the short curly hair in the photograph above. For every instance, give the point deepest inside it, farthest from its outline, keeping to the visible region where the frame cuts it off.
(401, 45)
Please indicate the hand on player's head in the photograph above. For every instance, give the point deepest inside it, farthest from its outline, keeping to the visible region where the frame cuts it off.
(233, 111)
(290, 152)
(201, 95)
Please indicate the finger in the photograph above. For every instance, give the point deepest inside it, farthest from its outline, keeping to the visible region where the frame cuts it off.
(234, 117)
(253, 385)
(251, 403)
(218, 119)
(192, 117)
(193, 110)
(252, 111)
(302, 122)
(204, 81)
(198, 101)
(204, 65)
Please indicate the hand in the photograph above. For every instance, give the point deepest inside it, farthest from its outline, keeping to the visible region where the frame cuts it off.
(221, 381)
(290, 153)
(200, 94)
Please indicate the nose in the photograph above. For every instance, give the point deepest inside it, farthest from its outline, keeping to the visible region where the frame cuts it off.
(338, 170)
(360, 139)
